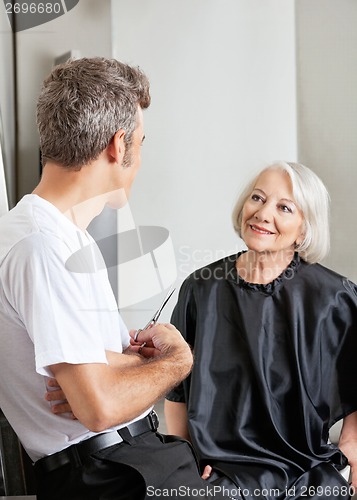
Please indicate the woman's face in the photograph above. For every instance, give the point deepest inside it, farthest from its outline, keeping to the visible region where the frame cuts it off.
(271, 220)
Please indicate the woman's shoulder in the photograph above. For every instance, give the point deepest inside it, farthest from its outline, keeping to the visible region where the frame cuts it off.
(326, 278)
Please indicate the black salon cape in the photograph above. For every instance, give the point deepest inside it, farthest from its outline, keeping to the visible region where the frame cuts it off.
(275, 367)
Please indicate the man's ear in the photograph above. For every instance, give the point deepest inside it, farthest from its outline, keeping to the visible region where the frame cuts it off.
(116, 147)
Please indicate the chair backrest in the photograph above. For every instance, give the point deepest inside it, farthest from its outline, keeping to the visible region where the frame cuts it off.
(16, 468)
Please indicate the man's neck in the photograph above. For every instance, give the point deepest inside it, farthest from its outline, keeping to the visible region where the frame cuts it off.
(75, 193)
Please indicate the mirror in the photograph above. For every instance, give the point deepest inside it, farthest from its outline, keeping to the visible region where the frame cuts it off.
(235, 84)
(3, 191)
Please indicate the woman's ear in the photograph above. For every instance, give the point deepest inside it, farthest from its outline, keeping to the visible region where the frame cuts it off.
(299, 240)
(116, 147)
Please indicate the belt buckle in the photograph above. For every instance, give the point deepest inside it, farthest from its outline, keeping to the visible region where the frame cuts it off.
(154, 420)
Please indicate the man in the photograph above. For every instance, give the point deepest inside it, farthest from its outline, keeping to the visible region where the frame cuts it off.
(59, 318)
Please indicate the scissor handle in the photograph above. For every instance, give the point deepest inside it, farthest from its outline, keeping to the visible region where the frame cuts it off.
(149, 324)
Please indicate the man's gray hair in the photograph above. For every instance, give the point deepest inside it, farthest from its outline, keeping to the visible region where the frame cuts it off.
(83, 103)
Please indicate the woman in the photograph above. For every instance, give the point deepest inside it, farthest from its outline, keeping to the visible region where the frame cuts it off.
(274, 335)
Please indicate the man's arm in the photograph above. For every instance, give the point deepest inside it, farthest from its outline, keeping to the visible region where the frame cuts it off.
(56, 394)
(102, 396)
(348, 443)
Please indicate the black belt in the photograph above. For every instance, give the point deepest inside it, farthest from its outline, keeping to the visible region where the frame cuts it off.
(76, 453)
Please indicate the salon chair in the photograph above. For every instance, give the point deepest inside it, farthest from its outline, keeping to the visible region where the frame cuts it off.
(16, 468)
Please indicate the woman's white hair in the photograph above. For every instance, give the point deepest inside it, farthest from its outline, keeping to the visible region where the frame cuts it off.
(313, 200)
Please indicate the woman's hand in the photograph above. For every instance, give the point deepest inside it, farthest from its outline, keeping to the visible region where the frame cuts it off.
(349, 448)
(348, 444)
(206, 472)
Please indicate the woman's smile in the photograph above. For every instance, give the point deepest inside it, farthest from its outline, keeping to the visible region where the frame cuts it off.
(260, 230)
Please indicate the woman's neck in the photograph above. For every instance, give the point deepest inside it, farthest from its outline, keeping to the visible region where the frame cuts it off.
(263, 268)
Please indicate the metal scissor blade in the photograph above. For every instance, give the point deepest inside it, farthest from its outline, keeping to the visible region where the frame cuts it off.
(155, 317)
(164, 302)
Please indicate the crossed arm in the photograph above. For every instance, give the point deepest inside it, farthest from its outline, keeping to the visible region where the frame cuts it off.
(102, 396)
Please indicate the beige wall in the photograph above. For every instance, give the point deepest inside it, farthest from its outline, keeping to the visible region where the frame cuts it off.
(223, 104)
(327, 110)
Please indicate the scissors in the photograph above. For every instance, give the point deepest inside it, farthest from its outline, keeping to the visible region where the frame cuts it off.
(156, 316)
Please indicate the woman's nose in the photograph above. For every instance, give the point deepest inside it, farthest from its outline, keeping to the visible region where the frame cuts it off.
(264, 213)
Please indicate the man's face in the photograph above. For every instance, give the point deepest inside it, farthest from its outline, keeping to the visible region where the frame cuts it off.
(126, 172)
(132, 156)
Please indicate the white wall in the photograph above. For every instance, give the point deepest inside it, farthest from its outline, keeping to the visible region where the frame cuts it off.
(223, 103)
(7, 97)
(327, 97)
(85, 28)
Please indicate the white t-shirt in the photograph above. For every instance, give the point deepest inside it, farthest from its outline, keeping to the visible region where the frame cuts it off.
(56, 305)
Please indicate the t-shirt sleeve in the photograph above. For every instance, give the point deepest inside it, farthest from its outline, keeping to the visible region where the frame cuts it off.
(63, 311)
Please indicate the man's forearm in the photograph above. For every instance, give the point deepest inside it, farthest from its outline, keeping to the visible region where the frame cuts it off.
(102, 396)
(117, 359)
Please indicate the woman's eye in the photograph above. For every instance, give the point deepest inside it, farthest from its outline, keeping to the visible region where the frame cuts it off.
(256, 197)
(285, 208)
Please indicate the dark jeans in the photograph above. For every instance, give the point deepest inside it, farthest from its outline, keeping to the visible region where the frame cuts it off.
(148, 466)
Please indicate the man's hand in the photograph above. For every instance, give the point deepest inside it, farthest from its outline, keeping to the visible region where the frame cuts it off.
(158, 340)
(56, 394)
